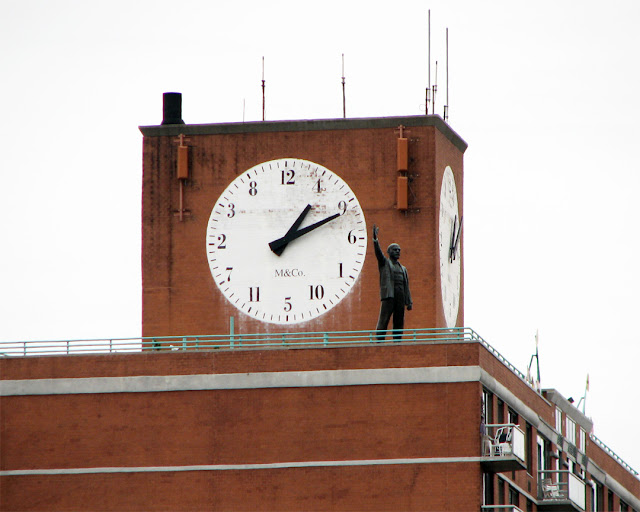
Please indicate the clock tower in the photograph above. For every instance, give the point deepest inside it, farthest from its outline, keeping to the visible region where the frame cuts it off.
(269, 223)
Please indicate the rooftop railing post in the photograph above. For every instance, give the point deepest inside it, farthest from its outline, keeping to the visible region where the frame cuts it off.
(68, 346)
(184, 343)
(325, 338)
(110, 346)
(231, 331)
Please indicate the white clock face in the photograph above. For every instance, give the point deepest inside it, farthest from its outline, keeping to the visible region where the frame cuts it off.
(286, 241)
(449, 239)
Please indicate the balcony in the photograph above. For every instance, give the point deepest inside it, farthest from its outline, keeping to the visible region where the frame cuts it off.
(503, 448)
(500, 508)
(560, 491)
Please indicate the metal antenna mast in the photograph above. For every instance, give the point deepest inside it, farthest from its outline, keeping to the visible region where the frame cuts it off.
(263, 95)
(344, 97)
(435, 88)
(428, 65)
(446, 107)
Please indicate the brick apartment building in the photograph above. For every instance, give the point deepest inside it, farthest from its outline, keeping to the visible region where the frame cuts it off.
(312, 412)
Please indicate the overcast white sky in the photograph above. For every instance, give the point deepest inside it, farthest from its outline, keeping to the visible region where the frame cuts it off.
(545, 93)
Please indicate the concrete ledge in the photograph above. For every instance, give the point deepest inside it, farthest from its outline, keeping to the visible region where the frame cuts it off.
(151, 384)
(306, 125)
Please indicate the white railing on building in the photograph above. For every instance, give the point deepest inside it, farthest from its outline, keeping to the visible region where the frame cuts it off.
(562, 485)
(503, 440)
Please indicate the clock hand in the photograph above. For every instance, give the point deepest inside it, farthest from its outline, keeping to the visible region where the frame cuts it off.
(452, 238)
(278, 246)
(454, 249)
(294, 227)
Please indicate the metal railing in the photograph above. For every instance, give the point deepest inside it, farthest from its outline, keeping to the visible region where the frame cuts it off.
(229, 341)
(613, 454)
(502, 440)
(500, 508)
(561, 485)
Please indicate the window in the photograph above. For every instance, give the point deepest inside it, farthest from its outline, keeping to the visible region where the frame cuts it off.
(623, 506)
(530, 453)
(487, 488)
(500, 491)
(514, 497)
(513, 417)
(571, 431)
(558, 420)
(599, 504)
(610, 500)
(500, 412)
(487, 406)
(582, 440)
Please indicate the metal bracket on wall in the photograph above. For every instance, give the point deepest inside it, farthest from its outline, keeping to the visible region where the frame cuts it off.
(182, 173)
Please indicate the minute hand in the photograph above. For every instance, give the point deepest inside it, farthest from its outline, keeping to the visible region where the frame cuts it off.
(280, 242)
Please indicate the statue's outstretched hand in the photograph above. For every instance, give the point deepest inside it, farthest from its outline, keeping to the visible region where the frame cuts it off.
(375, 232)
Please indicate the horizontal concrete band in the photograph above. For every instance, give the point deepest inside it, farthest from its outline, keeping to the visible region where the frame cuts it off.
(164, 383)
(239, 467)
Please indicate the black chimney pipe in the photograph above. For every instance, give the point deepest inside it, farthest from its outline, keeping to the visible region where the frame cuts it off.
(172, 108)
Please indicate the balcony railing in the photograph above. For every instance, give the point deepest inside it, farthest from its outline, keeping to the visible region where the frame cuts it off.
(503, 440)
(500, 508)
(561, 485)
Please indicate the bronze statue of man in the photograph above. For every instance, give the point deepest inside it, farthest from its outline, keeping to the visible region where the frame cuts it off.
(394, 289)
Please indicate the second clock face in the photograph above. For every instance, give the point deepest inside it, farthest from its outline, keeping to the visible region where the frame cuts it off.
(286, 241)
(449, 242)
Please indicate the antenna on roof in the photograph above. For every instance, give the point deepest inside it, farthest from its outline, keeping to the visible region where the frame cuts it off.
(263, 97)
(446, 107)
(536, 383)
(434, 88)
(584, 398)
(428, 90)
(344, 98)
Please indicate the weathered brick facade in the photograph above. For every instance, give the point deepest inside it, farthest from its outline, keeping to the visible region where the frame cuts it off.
(179, 295)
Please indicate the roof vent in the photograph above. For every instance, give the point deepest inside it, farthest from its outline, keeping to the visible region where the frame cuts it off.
(172, 108)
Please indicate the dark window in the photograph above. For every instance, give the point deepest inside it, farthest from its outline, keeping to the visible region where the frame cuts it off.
(514, 497)
(610, 500)
(530, 453)
(487, 406)
(599, 497)
(487, 488)
(623, 506)
(500, 492)
(500, 412)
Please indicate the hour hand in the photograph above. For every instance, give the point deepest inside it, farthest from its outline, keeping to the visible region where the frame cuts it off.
(278, 246)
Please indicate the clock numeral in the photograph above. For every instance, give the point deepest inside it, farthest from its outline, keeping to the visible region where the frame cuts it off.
(288, 177)
(253, 188)
(229, 269)
(340, 272)
(287, 304)
(254, 294)
(316, 292)
(232, 211)
(318, 186)
(223, 239)
(342, 206)
(351, 238)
